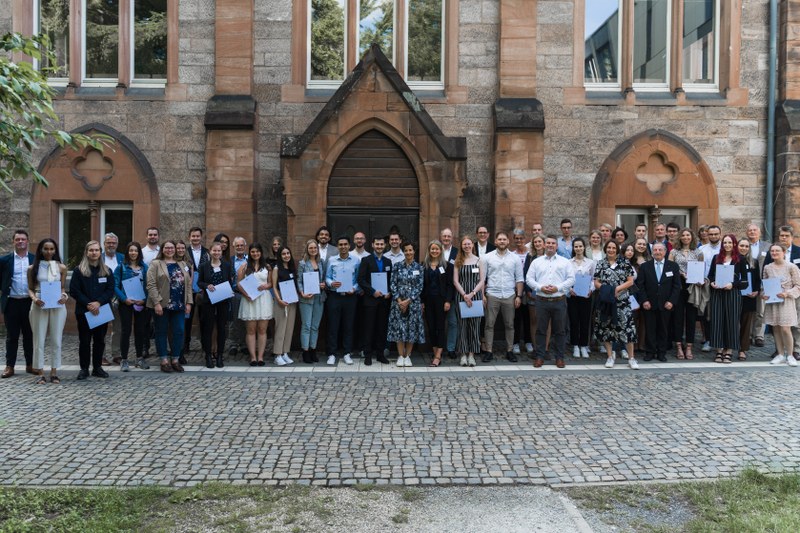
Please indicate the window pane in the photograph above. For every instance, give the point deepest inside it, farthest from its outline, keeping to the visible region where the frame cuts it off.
(327, 39)
(77, 232)
(119, 222)
(102, 38)
(54, 22)
(376, 25)
(424, 40)
(601, 42)
(699, 46)
(150, 39)
(650, 41)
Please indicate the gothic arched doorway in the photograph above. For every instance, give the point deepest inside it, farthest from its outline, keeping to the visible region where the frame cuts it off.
(372, 188)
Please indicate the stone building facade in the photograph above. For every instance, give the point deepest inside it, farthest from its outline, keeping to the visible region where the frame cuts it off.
(236, 140)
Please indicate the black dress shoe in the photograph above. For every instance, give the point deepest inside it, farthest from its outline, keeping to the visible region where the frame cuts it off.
(252, 363)
(314, 358)
(487, 356)
(511, 357)
(648, 357)
(182, 360)
(662, 357)
(220, 362)
(99, 373)
(210, 361)
(83, 374)
(382, 359)
(368, 360)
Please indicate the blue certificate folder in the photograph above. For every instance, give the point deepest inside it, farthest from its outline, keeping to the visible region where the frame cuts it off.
(476, 311)
(724, 275)
(583, 285)
(103, 317)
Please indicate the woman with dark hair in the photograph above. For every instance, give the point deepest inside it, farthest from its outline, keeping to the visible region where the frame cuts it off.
(225, 241)
(579, 307)
(92, 286)
(684, 315)
(169, 295)
(216, 271)
(286, 312)
(619, 235)
(726, 300)
(437, 295)
(406, 327)
(47, 268)
(749, 298)
(132, 312)
(641, 252)
(255, 310)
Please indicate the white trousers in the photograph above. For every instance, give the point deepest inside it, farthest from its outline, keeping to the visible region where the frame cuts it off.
(44, 321)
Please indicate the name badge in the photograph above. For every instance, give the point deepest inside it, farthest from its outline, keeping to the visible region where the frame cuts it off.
(387, 268)
(415, 272)
(476, 270)
(217, 269)
(452, 261)
(186, 268)
(291, 276)
(668, 274)
(101, 280)
(441, 269)
(763, 254)
(614, 266)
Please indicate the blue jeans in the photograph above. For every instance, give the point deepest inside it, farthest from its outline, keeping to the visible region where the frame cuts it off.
(452, 328)
(174, 320)
(310, 318)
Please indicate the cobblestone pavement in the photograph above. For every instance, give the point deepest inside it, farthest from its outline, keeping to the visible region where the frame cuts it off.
(499, 426)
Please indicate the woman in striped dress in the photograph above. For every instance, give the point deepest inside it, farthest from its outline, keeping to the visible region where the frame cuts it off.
(726, 300)
(468, 280)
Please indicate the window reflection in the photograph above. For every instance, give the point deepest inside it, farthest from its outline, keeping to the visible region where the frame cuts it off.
(424, 40)
(601, 41)
(150, 39)
(327, 39)
(376, 25)
(699, 41)
(102, 38)
(650, 41)
(54, 22)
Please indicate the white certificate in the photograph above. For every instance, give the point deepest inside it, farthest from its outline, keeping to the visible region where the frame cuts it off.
(221, 292)
(250, 286)
(133, 288)
(583, 285)
(50, 293)
(310, 283)
(103, 317)
(749, 288)
(379, 282)
(289, 291)
(345, 277)
(772, 286)
(476, 311)
(634, 302)
(724, 275)
(695, 272)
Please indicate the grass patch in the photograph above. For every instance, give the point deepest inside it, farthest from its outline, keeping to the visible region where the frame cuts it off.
(411, 495)
(401, 517)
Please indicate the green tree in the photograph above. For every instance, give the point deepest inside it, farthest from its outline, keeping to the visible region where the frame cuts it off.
(381, 31)
(27, 117)
(327, 40)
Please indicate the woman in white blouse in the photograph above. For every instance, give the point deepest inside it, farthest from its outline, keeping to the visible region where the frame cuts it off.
(579, 306)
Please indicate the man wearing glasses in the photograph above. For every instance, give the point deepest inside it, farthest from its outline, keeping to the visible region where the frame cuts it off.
(565, 241)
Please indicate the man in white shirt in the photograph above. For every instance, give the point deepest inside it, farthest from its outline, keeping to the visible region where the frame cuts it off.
(709, 250)
(236, 327)
(550, 277)
(395, 254)
(323, 238)
(483, 246)
(640, 232)
(503, 293)
(112, 259)
(15, 302)
(151, 249)
(198, 254)
(758, 251)
(358, 251)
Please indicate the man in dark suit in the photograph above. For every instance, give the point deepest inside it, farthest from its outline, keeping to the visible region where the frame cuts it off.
(659, 289)
(786, 238)
(483, 246)
(197, 254)
(376, 304)
(449, 253)
(15, 302)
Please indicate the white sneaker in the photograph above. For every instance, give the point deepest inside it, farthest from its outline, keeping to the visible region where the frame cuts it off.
(633, 364)
(286, 359)
(407, 361)
(706, 347)
(603, 348)
(279, 360)
(515, 349)
(464, 361)
(347, 359)
(401, 360)
(576, 351)
(624, 354)
(529, 347)
(610, 362)
(791, 360)
(778, 360)
(471, 360)
(331, 360)
(585, 352)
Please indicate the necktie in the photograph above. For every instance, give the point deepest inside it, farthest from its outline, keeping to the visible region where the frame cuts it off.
(658, 270)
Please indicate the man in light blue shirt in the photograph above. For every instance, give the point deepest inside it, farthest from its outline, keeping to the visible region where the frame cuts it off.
(565, 241)
(235, 326)
(342, 301)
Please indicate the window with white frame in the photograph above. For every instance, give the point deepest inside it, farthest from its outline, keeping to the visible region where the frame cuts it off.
(76, 227)
(52, 19)
(409, 32)
(653, 40)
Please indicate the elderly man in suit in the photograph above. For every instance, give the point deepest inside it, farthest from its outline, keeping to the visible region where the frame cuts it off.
(759, 250)
(659, 289)
(16, 303)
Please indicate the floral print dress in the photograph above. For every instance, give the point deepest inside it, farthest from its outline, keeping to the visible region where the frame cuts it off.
(615, 275)
(406, 282)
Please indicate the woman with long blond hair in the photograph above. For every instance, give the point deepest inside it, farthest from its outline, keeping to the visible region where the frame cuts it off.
(468, 281)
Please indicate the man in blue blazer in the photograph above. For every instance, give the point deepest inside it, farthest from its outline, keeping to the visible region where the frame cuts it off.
(15, 302)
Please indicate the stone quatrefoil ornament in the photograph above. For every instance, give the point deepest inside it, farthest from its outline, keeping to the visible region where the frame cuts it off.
(93, 170)
(656, 173)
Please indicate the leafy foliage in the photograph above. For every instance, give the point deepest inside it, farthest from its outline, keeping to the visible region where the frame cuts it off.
(327, 40)
(27, 117)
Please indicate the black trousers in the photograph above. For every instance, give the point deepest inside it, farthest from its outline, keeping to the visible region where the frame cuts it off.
(435, 320)
(684, 319)
(17, 322)
(214, 315)
(374, 326)
(91, 343)
(341, 311)
(522, 325)
(139, 323)
(579, 311)
(657, 323)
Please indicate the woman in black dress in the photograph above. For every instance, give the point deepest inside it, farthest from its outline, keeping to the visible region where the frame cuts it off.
(726, 300)
(214, 316)
(437, 295)
(749, 297)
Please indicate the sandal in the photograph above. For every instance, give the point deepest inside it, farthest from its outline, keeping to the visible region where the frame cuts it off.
(679, 349)
(42, 380)
(689, 355)
(742, 356)
(727, 359)
(436, 362)
(54, 379)
(718, 358)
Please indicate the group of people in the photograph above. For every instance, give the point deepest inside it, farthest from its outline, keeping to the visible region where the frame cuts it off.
(609, 290)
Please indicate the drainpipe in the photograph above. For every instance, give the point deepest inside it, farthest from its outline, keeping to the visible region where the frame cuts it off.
(769, 208)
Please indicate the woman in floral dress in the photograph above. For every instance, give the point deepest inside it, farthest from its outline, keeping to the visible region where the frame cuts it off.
(406, 326)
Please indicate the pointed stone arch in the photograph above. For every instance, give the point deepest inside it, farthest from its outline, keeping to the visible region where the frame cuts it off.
(119, 173)
(654, 168)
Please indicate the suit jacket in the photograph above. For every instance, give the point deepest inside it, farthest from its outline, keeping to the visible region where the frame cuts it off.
(7, 274)
(763, 253)
(367, 266)
(489, 248)
(205, 274)
(204, 257)
(794, 258)
(444, 279)
(658, 292)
